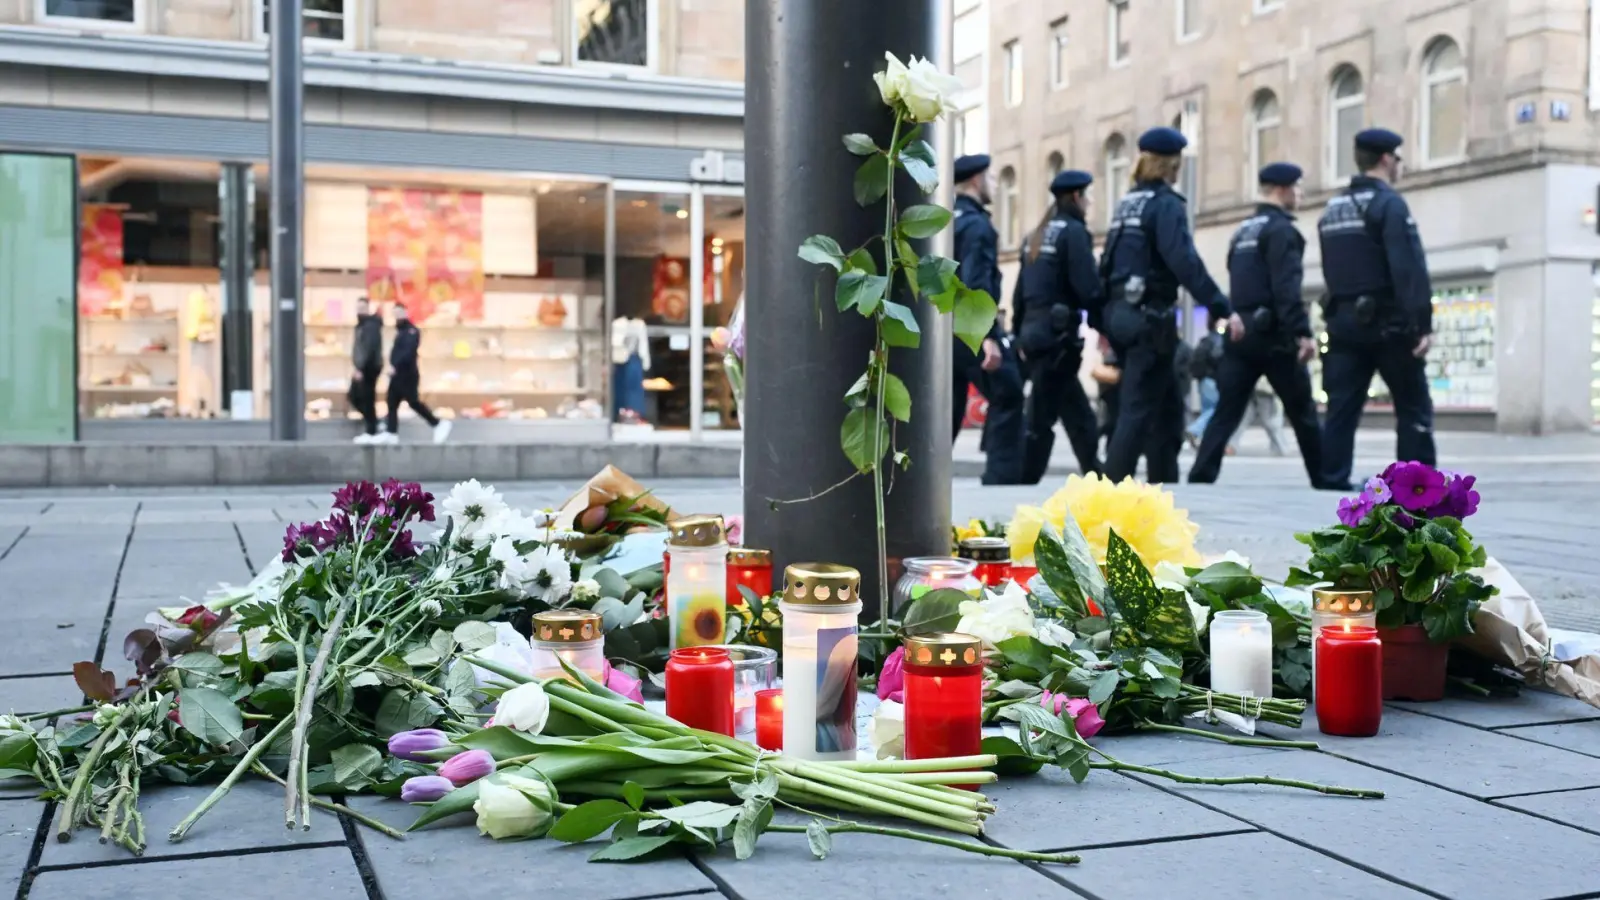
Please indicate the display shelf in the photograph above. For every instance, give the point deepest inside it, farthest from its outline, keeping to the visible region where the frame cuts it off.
(129, 389)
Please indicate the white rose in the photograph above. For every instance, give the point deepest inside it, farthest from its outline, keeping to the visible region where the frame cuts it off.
(1054, 634)
(889, 730)
(929, 93)
(1201, 613)
(524, 708)
(1170, 576)
(511, 806)
(892, 81)
(997, 618)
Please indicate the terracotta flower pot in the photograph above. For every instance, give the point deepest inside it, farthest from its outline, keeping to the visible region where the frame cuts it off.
(1413, 666)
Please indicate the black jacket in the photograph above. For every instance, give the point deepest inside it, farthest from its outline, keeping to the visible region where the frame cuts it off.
(1370, 245)
(1265, 272)
(977, 249)
(366, 354)
(403, 354)
(1149, 237)
(1063, 273)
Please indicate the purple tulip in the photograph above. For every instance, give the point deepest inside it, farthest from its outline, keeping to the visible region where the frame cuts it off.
(411, 745)
(426, 788)
(468, 766)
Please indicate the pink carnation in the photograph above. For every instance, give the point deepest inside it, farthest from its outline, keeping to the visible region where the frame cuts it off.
(1085, 715)
(892, 680)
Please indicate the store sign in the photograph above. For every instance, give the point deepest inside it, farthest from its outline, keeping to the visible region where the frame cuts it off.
(714, 165)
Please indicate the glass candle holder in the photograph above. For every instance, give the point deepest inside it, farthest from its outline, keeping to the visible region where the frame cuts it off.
(697, 585)
(820, 605)
(769, 719)
(931, 573)
(1349, 680)
(993, 558)
(700, 688)
(1241, 653)
(574, 635)
(944, 695)
(1339, 608)
(753, 671)
(750, 568)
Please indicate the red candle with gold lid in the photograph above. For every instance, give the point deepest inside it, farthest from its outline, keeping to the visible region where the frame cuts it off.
(944, 695)
(752, 568)
(993, 556)
(700, 688)
(1349, 680)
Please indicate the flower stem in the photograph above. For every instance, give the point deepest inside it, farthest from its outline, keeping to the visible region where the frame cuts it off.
(80, 781)
(51, 714)
(982, 761)
(1227, 738)
(1117, 765)
(1065, 859)
(881, 359)
(299, 753)
(227, 784)
(332, 807)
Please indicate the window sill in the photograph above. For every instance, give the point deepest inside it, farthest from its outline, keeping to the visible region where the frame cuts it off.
(1190, 38)
(1442, 163)
(86, 24)
(1120, 63)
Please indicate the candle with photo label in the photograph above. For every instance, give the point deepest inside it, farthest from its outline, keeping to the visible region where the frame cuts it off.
(820, 605)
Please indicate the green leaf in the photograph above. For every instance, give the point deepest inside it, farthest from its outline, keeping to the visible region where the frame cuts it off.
(860, 393)
(633, 794)
(934, 275)
(1130, 582)
(860, 144)
(454, 803)
(198, 662)
(701, 814)
(631, 848)
(900, 328)
(933, 612)
(421, 658)
(1105, 684)
(819, 839)
(862, 259)
(18, 751)
(1068, 567)
(1011, 759)
(1169, 623)
(754, 817)
(856, 435)
(823, 251)
(766, 788)
(872, 180)
(210, 716)
(1228, 580)
(355, 764)
(1026, 651)
(919, 163)
(590, 820)
(896, 398)
(924, 221)
(860, 291)
(906, 259)
(474, 636)
(394, 713)
(975, 312)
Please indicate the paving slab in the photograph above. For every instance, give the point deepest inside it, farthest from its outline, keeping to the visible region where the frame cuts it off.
(1234, 867)
(1423, 836)
(54, 591)
(443, 860)
(1049, 812)
(1482, 763)
(1580, 809)
(325, 873)
(1579, 737)
(19, 822)
(1531, 708)
(1168, 749)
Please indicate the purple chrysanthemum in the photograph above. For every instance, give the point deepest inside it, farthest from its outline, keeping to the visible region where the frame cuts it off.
(408, 499)
(1417, 486)
(357, 498)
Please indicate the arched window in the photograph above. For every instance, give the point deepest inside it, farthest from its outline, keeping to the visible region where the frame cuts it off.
(1010, 214)
(1444, 102)
(1347, 115)
(1117, 172)
(1266, 123)
(1054, 163)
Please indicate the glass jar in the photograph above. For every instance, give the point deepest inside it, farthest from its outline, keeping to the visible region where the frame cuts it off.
(753, 671)
(700, 688)
(697, 584)
(1349, 680)
(931, 573)
(944, 695)
(820, 605)
(574, 635)
(769, 719)
(1241, 653)
(993, 558)
(751, 568)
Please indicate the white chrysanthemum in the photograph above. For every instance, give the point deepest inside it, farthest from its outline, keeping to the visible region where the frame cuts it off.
(431, 608)
(552, 573)
(586, 589)
(443, 573)
(503, 550)
(105, 715)
(471, 504)
(542, 518)
(10, 724)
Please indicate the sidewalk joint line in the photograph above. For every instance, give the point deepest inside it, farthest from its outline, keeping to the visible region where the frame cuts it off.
(721, 884)
(358, 853)
(189, 857)
(1571, 790)
(31, 869)
(1547, 818)
(1505, 728)
(1137, 842)
(116, 582)
(15, 541)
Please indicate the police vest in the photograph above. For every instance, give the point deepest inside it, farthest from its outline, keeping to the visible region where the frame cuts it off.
(1127, 253)
(1353, 262)
(1041, 277)
(1249, 279)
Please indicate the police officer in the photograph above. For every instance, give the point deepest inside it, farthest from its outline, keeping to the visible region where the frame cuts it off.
(1058, 285)
(1149, 254)
(996, 373)
(1264, 272)
(1379, 310)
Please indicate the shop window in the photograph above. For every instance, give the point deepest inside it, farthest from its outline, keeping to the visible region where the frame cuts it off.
(1118, 44)
(1013, 83)
(107, 12)
(1444, 103)
(1266, 123)
(1187, 123)
(1060, 67)
(1117, 167)
(615, 32)
(321, 20)
(1010, 211)
(1347, 114)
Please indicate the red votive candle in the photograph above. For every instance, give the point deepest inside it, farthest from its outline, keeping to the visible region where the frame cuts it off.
(993, 556)
(769, 719)
(700, 689)
(1349, 674)
(1022, 574)
(944, 695)
(751, 568)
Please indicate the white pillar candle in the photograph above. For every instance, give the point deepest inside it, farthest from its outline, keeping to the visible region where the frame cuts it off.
(1241, 653)
(820, 607)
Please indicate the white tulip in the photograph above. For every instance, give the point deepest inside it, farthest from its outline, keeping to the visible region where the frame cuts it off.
(1000, 616)
(892, 81)
(929, 93)
(512, 806)
(524, 708)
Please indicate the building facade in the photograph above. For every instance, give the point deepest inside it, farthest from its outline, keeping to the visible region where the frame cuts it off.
(1498, 102)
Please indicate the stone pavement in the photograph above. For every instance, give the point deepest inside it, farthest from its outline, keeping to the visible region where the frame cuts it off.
(1487, 799)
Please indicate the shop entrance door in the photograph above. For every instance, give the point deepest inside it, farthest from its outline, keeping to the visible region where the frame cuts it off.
(38, 296)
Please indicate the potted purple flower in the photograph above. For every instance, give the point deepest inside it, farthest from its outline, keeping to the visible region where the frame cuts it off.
(1402, 538)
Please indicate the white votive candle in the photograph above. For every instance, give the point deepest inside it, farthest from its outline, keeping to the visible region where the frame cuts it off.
(1241, 653)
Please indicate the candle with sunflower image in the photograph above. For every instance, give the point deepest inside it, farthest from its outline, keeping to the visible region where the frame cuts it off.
(697, 582)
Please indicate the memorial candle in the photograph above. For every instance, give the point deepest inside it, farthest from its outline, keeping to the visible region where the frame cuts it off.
(769, 719)
(1241, 653)
(944, 696)
(1349, 680)
(993, 556)
(820, 606)
(574, 635)
(697, 583)
(700, 688)
(751, 568)
(1336, 609)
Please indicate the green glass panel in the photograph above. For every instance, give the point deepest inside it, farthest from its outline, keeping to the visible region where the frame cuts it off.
(38, 291)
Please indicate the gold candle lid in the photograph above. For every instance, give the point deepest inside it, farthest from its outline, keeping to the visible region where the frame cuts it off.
(986, 549)
(567, 626)
(749, 556)
(695, 531)
(1349, 603)
(947, 649)
(820, 584)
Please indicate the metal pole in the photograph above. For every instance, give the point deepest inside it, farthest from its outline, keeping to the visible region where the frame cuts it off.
(808, 81)
(697, 315)
(236, 190)
(286, 159)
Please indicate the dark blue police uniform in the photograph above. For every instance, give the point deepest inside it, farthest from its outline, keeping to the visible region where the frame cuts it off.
(1149, 254)
(1264, 272)
(1059, 285)
(977, 257)
(1378, 307)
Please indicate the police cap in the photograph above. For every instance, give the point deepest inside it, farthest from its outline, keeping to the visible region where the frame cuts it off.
(1280, 173)
(1070, 180)
(1163, 141)
(1378, 140)
(968, 166)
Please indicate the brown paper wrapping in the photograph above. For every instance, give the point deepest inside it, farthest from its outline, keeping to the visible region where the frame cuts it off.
(609, 485)
(1509, 629)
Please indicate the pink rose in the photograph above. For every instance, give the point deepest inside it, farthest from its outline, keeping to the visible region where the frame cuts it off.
(623, 683)
(733, 527)
(892, 680)
(1085, 716)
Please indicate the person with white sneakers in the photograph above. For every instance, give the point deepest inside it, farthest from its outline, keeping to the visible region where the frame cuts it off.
(366, 362)
(405, 381)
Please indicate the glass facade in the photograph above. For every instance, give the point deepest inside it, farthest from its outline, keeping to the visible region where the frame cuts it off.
(37, 236)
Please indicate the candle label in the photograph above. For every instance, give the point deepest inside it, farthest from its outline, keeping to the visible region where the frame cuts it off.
(836, 689)
(697, 619)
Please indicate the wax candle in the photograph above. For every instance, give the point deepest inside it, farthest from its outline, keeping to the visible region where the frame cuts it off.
(573, 635)
(769, 719)
(700, 688)
(931, 573)
(1023, 572)
(820, 606)
(751, 568)
(753, 671)
(1349, 680)
(697, 584)
(944, 695)
(993, 556)
(1241, 653)
(1336, 608)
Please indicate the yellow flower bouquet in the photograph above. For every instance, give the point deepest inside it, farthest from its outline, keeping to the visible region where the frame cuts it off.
(1144, 515)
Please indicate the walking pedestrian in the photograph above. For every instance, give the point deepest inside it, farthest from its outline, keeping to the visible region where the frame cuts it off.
(1379, 310)
(1264, 411)
(1203, 369)
(1057, 289)
(996, 373)
(1149, 254)
(366, 360)
(1265, 273)
(405, 379)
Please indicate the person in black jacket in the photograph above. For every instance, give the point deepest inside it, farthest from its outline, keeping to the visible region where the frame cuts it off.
(405, 380)
(366, 360)
(1265, 271)
(1059, 287)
